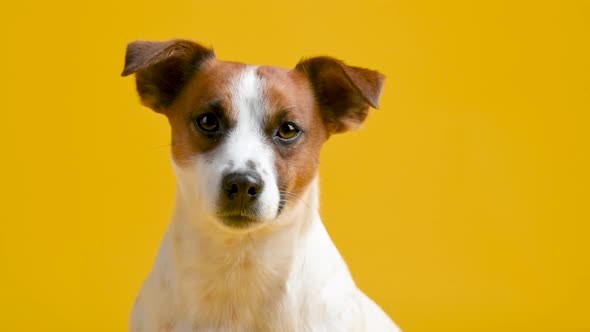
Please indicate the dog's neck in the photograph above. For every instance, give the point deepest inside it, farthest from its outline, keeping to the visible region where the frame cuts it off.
(237, 272)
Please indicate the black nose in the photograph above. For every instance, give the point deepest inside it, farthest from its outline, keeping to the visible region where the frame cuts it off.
(242, 187)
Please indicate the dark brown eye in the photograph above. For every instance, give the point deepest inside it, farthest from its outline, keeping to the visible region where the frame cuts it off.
(208, 122)
(288, 131)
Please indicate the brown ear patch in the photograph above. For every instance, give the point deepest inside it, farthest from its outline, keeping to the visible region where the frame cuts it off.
(163, 68)
(343, 93)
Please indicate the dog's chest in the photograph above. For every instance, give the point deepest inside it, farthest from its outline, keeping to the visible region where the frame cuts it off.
(244, 290)
(239, 301)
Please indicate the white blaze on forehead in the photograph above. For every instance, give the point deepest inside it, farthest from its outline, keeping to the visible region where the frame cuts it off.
(247, 140)
(247, 144)
(248, 95)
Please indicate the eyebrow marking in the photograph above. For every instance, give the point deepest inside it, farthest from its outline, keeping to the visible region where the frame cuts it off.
(275, 119)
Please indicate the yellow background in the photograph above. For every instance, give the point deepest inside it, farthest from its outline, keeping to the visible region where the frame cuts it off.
(461, 206)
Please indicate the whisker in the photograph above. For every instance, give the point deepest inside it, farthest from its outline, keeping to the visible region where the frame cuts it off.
(161, 146)
(287, 195)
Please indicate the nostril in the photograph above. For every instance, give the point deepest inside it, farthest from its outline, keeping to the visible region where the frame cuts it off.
(252, 191)
(233, 189)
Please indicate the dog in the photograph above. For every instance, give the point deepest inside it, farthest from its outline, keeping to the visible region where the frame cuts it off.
(246, 249)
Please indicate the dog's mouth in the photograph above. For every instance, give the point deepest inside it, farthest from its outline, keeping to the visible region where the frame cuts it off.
(239, 220)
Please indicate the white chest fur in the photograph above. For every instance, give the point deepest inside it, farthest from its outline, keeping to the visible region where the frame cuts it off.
(288, 278)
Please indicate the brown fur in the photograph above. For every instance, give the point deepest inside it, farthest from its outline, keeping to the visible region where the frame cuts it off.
(163, 68)
(206, 92)
(343, 93)
(291, 99)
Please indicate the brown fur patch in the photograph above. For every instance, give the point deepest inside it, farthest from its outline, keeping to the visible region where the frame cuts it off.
(163, 68)
(343, 93)
(291, 99)
(207, 91)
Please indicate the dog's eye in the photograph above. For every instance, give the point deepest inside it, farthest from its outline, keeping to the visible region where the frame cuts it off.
(208, 122)
(288, 131)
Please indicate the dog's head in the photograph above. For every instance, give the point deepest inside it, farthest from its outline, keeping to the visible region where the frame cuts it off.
(246, 139)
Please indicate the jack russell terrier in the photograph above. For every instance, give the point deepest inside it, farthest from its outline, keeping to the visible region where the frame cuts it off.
(246, 249)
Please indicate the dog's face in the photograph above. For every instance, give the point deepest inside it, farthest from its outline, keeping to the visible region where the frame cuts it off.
(241, 145)
(246, 139)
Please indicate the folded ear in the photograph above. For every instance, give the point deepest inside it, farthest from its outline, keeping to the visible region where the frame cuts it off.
(344, 93)
(162, 69)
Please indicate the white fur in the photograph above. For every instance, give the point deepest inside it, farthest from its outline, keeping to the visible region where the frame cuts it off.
(284, 276)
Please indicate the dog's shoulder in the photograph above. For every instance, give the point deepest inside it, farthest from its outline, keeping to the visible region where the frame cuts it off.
(155, 306)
